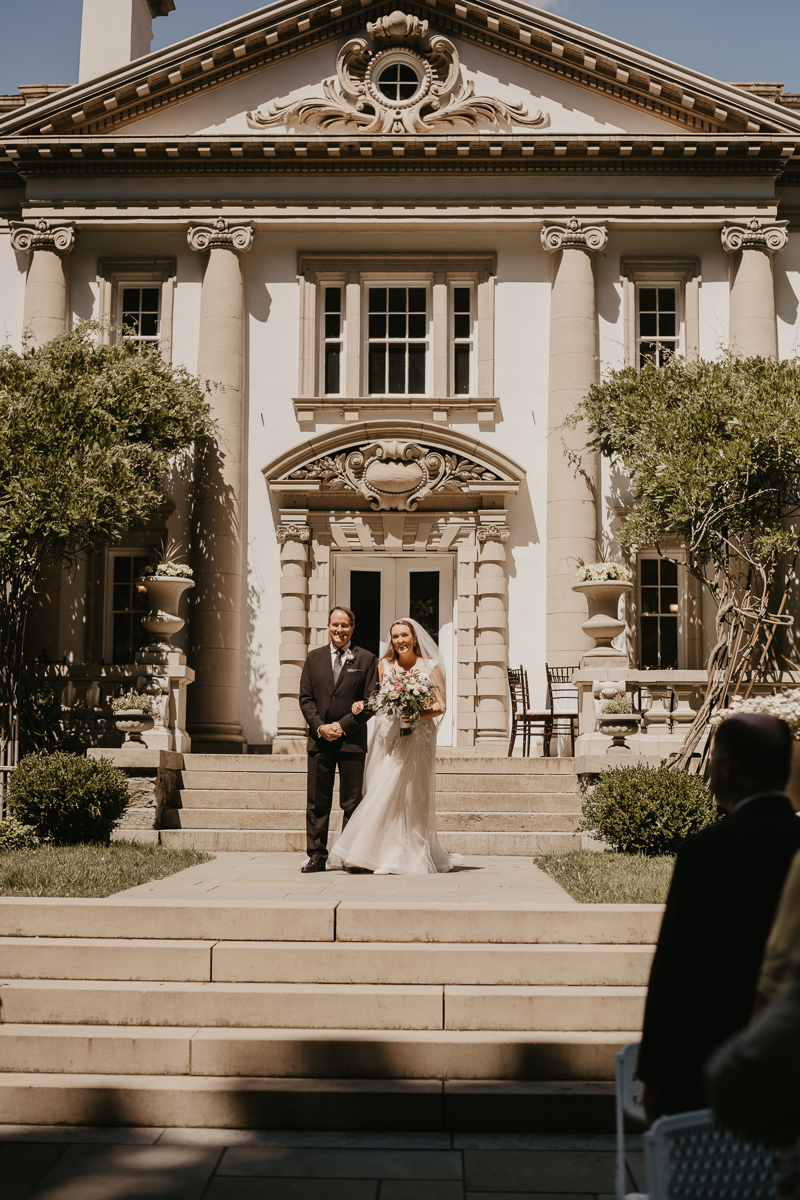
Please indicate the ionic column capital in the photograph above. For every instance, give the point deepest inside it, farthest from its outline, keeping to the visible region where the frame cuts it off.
(574, 236)
(755, 235)
(292, 533)
(221, 235)
(43, 235)
(500, 533)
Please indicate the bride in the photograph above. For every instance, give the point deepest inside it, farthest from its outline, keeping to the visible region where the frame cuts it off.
(393, 830)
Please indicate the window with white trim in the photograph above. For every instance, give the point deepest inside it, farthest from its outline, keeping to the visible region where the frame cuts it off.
(658, 320)
(139, 312)
(397, 339)
(136, 301)
(462, 325)
(332, 339)
(661, 612)
(125, 604)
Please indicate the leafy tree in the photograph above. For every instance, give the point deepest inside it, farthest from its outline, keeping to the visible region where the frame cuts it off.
(87, 433)
(712, 452)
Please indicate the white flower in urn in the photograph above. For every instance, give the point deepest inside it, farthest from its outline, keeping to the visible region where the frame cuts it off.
(603, 572)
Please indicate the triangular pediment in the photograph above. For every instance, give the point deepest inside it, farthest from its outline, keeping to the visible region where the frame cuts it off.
(509, 54)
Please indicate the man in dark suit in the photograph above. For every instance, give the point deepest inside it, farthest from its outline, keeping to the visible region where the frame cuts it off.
(724, 892)
(334, 677)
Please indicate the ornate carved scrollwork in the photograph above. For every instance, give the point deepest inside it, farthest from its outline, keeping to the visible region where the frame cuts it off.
(394, 474)
(292, 533)
(221, 234)
(574, 236)
(755, 236)
(44, 235)
(501, 532)
(360, 98)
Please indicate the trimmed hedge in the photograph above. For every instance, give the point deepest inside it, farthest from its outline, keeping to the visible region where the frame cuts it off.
(67, 798)
(647, 810)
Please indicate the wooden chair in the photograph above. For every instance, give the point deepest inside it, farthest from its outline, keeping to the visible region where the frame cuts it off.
(522, 719)
(563, 700)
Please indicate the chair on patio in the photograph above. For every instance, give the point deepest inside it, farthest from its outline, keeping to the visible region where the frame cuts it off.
(687, 1155)
(524, 720)
(563, 700)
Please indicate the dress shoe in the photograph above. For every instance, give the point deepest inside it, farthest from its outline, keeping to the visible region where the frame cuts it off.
(358, 871)
(313, 864)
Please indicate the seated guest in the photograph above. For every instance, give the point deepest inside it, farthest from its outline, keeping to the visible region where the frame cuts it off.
(783, 940)
(720, 907)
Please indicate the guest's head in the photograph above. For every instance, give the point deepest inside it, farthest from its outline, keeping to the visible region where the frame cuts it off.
(752, 754)
(341, 624)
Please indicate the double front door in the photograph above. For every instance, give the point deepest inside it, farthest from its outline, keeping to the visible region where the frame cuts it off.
(379, 588)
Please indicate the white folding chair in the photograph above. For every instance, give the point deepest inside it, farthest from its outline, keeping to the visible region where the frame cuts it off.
(690, 1158)
(629, 1104)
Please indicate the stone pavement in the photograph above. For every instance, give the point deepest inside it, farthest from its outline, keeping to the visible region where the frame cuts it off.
(61, 1163)
(236, 876)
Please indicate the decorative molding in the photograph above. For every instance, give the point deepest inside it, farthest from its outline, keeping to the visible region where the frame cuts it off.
(755, 235)
(296, 533)
(44, 235)
(637, 269)
(501, 532)
(221, 235)
(150, 268)
(574, 236)
(355, 98)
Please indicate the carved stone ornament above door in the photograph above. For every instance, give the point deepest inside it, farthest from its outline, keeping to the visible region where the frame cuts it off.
(400, 83)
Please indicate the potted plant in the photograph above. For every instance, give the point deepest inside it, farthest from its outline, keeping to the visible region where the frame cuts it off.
(617, 720)
(603, 583)
(133, 716)
(165, 583)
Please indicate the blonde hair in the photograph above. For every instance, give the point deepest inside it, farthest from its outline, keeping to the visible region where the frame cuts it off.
(390, 654)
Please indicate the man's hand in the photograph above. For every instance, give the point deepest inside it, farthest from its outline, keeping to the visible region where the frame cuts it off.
(337, 729)
(331, 733)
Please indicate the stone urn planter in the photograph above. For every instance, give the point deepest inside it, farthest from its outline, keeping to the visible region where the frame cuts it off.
(603, 625)
(618, 726)
(162, 621)
(133, 724)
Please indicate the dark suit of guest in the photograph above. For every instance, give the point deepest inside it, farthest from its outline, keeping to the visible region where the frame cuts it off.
(323, 700)
(724, 892)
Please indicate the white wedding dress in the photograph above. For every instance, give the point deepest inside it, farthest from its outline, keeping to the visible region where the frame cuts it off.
(393, 830)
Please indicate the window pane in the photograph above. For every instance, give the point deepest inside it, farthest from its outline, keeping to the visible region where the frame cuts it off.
(649, 641)
(461, 299)
(416, 368)
(150, 299)
(377, 325)
(397, 300)
(648, 354)
(666, 299)
(397, 369)
(333, 300)
(332, 325)
(647, 299)
(365, 601)
(648, 325)
(121, 638)
(417, 300)
(461, 325)
(130, 299)
(416, 325)
(149, 325)
(121, 596)
(397, 325)
(130, 322)
(332, 358)
(666, 324)
(424, 601)
(377, 300)
(461, 369)
(377, 368)
(669, 642)
(122, 568)
(648, 572)
(650, 600)
(669, 572)
(669, 599)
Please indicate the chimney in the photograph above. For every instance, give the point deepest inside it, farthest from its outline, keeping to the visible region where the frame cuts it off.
(115, 32)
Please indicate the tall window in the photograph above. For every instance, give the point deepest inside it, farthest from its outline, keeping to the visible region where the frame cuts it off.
(125, 605)
(397, 336)
(140, 309)
(658, 612)
(462, 339)
(657, 324)
(332, 340)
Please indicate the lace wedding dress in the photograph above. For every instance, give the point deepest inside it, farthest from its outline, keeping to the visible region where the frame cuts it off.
(393, 830)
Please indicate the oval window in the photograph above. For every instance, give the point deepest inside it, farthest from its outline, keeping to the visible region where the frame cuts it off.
(398, 81)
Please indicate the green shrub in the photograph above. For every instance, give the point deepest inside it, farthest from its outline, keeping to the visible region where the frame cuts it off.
(647, 810)
(68, 798)
(14, 836)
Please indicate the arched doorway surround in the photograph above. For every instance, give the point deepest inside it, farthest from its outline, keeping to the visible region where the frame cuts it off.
(407, 491)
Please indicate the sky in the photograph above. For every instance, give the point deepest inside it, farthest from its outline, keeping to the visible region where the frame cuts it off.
(723, 38)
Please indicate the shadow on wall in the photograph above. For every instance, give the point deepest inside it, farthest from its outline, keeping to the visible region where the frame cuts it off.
(256, 676)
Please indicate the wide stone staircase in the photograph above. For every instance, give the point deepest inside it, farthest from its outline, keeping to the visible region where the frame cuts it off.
(318, 1014)
(483, 805)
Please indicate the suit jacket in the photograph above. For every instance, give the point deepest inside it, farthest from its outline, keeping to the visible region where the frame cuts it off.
(323, 701)
(721, 903)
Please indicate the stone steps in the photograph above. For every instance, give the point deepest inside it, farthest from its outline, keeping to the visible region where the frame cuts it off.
(89, 1002)
(280, 820)
(295, 801)
(263, 841)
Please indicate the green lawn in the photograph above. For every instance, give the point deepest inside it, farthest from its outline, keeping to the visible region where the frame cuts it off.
(89, 870)
(604, 877)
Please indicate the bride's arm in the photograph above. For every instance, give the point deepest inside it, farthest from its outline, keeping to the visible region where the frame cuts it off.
(439, 705)
(358, 706)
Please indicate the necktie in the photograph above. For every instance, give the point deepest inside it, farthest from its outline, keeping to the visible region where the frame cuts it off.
(337, 666)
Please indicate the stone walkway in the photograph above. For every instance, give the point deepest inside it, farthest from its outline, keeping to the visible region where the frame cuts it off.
(230, 876)
(57, 1163)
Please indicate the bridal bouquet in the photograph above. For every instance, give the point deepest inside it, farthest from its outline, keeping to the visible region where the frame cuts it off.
(404, 696)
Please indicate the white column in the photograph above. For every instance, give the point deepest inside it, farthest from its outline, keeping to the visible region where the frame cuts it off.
(293, 535)
(215, 627)
(491, 635)
(571, 488)
(46, 312)
(752, 328)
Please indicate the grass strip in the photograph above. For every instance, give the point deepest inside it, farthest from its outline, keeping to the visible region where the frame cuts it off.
(89, 870)
(604, 877)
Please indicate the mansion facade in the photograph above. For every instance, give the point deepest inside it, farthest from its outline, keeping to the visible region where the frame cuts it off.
(405, 244)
